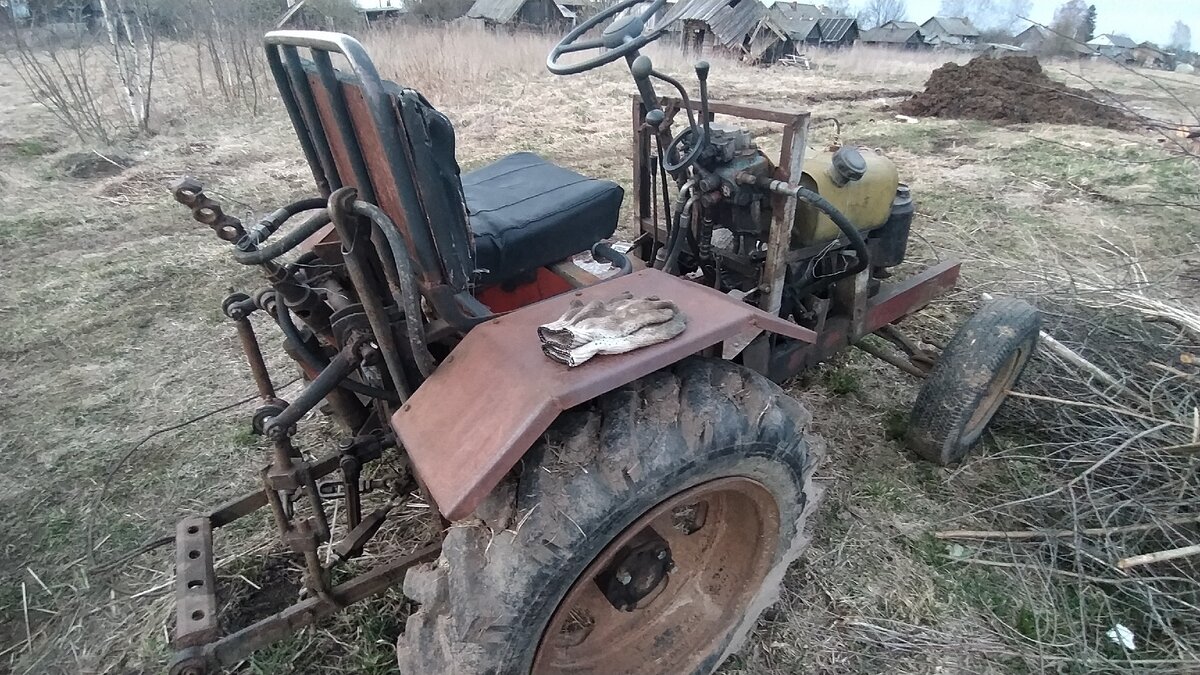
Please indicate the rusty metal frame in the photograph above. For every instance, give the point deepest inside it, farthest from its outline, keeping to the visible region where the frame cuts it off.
(201, 647)
(789, 164)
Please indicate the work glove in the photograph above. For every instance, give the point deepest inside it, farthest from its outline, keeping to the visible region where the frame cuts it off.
(616, 326)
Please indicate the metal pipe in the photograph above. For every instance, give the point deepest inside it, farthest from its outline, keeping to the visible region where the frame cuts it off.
(339, 369)
(254, 357)
(341, 204)
(283, 316)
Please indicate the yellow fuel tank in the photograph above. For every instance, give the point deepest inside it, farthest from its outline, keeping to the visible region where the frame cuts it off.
(867, 202)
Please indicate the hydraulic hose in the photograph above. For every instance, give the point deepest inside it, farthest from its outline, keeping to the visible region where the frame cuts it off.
(602, 251)
(286, 243)
(843, 223)
(274, 220)
(674, 234)
(682, 230)
(404, 289)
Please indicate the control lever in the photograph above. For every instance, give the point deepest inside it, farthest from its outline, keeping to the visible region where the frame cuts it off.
(641, 68)
(702, 75)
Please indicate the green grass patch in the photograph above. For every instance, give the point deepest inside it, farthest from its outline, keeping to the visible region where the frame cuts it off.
(33, 147)
(841, 381)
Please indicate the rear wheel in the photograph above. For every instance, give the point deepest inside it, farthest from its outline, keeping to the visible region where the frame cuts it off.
(643, 534)
(971, 378)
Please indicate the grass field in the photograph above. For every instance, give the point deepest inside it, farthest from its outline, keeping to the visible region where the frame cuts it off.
(110, 328)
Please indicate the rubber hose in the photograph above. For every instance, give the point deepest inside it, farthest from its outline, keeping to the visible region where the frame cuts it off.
(843, 223)
(274, 220)
(602, 251)
(408, 296)
(288, 242)
(673, 233)
(682, 232)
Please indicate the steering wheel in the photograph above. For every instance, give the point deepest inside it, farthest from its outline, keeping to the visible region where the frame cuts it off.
(621, 37)
(687, 135)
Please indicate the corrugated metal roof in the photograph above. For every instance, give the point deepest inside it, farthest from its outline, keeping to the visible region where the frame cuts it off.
(500, 11)
(834, 28)
(951, 25)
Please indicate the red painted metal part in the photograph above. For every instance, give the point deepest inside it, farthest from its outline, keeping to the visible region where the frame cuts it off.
(501, 298)
(496, 393)
(904, 297)
(893, 302)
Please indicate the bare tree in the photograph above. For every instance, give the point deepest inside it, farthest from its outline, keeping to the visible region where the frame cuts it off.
(953, 8)
(1181, 37)
(998, 16)
(838, 7)
(1070, 24)
(878, 12)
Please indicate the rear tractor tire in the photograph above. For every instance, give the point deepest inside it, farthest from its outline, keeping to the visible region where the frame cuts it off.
(644, 533)
(971, 378)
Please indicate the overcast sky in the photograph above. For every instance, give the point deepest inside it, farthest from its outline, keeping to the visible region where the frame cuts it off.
(1139, 19)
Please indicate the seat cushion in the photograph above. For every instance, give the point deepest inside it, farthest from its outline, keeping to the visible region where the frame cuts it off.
(526, 212)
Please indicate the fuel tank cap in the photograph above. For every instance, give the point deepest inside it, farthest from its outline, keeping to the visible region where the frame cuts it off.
(848, 165)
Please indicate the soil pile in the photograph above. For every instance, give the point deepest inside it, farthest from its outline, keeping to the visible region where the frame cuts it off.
(1008, 90)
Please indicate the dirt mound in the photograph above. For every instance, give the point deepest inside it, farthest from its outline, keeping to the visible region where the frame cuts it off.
(93, 165)
(1008, 90)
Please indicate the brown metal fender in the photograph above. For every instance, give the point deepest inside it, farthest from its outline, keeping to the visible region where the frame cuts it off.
(496, 393)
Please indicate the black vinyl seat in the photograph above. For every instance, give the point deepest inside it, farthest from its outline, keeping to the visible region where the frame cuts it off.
(526, 212)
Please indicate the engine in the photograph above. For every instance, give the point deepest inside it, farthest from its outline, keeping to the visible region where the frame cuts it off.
(737, 212)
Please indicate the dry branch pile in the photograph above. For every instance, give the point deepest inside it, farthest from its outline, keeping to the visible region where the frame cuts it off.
(1102, 521)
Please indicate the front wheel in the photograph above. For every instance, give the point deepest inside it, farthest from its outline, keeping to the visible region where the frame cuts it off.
(971, 378)
(644, 533)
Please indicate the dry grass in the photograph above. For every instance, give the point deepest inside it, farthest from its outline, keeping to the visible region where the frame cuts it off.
(110, 328)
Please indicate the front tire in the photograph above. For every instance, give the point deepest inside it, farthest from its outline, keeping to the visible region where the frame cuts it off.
(644, 533)
(971, 378)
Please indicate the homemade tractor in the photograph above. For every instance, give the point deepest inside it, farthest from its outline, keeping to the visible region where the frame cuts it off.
(633, 514)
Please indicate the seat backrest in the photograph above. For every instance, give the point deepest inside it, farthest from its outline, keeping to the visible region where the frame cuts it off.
(387, 141)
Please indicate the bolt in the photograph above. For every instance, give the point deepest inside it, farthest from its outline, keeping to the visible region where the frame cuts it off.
(662, 555)
(624, 577)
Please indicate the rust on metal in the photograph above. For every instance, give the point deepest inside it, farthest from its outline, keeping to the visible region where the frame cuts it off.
(469, 423)
(229, 650)
(195, 584)
(713, 567)
(904, 297)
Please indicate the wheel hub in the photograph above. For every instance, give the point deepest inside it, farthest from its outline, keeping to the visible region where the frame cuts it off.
(637, 570)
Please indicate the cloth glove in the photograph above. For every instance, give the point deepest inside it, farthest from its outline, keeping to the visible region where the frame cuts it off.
(616, 326)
